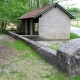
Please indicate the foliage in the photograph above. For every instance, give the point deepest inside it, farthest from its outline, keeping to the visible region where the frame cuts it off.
(73, 9)
(45, 2)
(10, 10)
(76, 15)
(1, 32)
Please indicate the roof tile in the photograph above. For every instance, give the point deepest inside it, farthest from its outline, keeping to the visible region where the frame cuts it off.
(32, 13)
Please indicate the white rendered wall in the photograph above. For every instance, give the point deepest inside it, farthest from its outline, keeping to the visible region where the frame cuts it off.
(54, 24)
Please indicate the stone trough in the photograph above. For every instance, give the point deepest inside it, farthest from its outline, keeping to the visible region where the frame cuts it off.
(66, 58)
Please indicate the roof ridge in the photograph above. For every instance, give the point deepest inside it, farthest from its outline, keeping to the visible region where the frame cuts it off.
(37, 12)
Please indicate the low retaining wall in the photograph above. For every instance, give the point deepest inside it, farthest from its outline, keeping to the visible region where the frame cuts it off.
(32, 37)
(48, 54)
(36, 38)
(67, 57)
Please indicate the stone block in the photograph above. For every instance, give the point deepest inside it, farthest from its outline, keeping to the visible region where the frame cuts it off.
(68, 57)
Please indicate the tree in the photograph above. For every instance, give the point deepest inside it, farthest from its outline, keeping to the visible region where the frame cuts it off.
(37, 3)
(10, 10)
(44, 2)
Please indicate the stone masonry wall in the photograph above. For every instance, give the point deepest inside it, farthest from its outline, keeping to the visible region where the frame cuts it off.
(48, 54)
(54, 24)
(67, 57)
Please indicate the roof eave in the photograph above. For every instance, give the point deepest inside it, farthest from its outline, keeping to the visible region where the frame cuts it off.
(48, 8)
(25, 18)
(70, 15)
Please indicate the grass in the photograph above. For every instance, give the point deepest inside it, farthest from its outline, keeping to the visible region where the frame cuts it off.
(73, 35)
(54, 47)
(57, 45)
(28, 65)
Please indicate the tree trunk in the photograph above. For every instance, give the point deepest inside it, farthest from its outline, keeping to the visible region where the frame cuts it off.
(37, 3)
(52, 1)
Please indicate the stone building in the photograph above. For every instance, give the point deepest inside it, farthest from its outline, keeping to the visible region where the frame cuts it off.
(53, 22)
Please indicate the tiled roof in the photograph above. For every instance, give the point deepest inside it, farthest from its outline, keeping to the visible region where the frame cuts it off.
(36, 13)
(32, 13)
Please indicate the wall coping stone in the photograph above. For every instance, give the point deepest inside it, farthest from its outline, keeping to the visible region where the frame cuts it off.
(70, 47)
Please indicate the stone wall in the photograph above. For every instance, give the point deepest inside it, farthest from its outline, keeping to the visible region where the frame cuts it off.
(67, 57)
(48, 54)
(32, 37)
(54, 24)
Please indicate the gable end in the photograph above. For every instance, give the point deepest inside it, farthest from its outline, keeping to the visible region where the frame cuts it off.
(55, 5)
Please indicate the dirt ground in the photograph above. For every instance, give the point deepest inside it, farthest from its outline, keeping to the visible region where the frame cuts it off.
(5, 50)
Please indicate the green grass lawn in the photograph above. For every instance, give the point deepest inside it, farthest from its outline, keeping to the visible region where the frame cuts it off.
(28, 65)
(73, 36)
